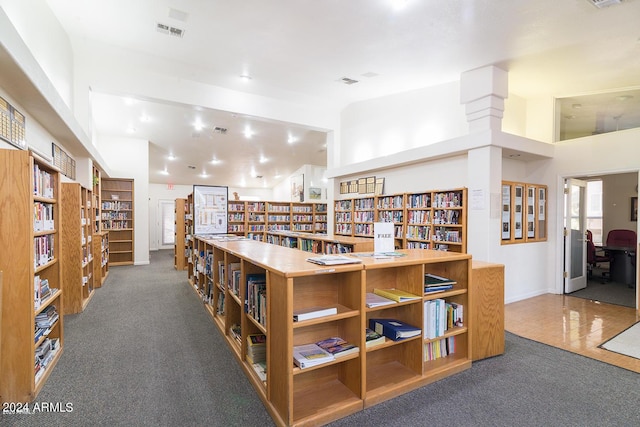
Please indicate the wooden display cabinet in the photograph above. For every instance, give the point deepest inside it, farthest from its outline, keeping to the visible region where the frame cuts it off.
(118, 219)
(77, 247)
(320, 394)
(28, 185)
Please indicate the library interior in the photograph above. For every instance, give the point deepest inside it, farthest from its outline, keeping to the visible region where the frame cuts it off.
(362, 199)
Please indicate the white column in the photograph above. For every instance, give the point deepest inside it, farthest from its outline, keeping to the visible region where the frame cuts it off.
(483, 91)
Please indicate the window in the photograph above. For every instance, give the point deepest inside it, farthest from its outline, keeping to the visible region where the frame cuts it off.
(168, 222)
(594, 210)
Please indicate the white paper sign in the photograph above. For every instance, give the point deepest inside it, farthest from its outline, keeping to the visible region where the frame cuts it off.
(383, 237)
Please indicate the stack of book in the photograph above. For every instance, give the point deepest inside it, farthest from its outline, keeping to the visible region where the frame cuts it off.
(337, 346)
(433, 283)
(47, 317)
(373, 338)
(309, 355)
(256, 348)
(44, 355)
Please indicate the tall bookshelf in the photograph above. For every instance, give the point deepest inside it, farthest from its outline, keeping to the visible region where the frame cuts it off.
(77, 246)
(189, 240)
(30, 259)
(117, 218)
(326, 392)
(391, 208)
(100, 238)
(179, 254)
(236, 217)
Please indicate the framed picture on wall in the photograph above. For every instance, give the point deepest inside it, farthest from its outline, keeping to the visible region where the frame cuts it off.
(634, 209)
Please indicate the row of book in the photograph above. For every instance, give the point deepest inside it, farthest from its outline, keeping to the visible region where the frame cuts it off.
(302, 218)
(422, 232)
(116, 225)
(116, 205)
(256, 302)
(44, 355)
(42, 291)
(390, 216)
(441, 348)
(391, 202)
(253, 217)
(446, 235)
(43, 250)
(115, 215)
(43, 217)
(446, 217)
(43, 183)
(343, 217)
(447, 200)
(440, 316)
(279, 218)
(419, 217)
(343, 205)
(277, 208)
(363, 216)
(305, 227)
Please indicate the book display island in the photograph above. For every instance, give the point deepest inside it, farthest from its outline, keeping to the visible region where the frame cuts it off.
(254, 288)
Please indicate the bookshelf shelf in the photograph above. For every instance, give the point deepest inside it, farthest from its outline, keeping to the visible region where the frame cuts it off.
(117, 218)
(25, 181)
(323, 393)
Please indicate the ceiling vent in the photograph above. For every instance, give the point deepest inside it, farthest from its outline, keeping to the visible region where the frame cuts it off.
(220, 130)
(348, 81)
(168, 29)
(604, 3)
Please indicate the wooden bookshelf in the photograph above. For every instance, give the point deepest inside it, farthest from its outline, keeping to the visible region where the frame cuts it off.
(28, 183)
(180, 260)
(77, 246)
(425, 220)
(103, 239)
(189, 241)
(236, 221)
(320, 243)
(486, 303)
(100, 242)
(323, 393)
(118, 218)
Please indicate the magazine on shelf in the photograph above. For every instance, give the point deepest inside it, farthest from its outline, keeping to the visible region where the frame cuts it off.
(373, 300)
(337, 346)
(396, 294)
(334, 260)
(308, 355)
(313, 313)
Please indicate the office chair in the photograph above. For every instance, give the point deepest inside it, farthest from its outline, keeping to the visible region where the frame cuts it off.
(593, 257)
(622, 238)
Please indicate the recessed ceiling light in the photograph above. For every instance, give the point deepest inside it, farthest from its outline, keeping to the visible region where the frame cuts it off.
(203, 175)
(248, 133)
(171, 157)
(291, 139)
(164, 172)
(263, 159)
(215, 161)
(245, 77)
(399, 4)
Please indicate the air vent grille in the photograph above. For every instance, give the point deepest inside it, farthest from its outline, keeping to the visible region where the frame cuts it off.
(220, 130)
(168, 29)
(348, 81)
(604, 3)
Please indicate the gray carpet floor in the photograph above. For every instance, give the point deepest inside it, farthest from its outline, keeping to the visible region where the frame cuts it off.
(145, 352)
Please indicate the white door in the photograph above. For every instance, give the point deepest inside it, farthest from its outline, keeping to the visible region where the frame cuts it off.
(575, 260)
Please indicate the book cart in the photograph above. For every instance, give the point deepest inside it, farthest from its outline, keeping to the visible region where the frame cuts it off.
(323, 393)
(29, 255)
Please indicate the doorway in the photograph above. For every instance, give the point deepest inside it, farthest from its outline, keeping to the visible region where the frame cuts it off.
(608, 207)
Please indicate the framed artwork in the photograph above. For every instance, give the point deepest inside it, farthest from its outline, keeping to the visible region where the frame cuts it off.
(379, 186)
(315, 193)
(634, 209)
(297, 188)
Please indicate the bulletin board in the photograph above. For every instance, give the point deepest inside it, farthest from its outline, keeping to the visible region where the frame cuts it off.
(210, 209)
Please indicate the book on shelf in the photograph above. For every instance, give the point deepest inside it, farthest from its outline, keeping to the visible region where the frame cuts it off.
(338, 346)
(373, 338)
(313, 313)
(309, 355)
(256, 348)
(434, 280)
(394, 329)
(261, 369)
(432, 289)
(374, 300)
(333, 260)
(396, 294)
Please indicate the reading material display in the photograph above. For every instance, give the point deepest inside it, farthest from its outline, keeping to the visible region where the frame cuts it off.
(313, 313)
(337, 346)
(333, 260)
(394, 329)
(308, 355)
(396, 294)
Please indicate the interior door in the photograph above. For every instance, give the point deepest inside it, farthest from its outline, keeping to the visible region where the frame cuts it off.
(575, 236)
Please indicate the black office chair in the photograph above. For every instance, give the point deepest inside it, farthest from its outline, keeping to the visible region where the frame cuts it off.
(593, 256)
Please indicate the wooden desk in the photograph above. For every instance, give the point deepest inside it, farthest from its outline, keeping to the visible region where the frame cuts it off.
(622, 268)
(486, 300)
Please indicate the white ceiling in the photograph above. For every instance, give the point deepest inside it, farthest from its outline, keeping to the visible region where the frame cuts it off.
(298, 50)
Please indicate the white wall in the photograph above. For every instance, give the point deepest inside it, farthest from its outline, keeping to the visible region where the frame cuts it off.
(40, 30)
(382, 126)
(313, 177)
(129, 158)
